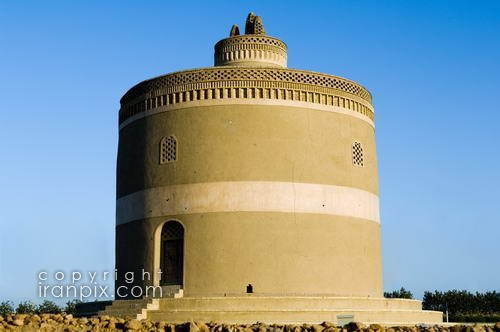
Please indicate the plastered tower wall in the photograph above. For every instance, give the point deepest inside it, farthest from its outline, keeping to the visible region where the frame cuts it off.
(271, 171)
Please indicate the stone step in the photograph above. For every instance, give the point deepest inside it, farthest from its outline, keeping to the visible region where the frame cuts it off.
(285, 303)
(251, 309)
(122, 314)
(131, 302)
(86, 309)
(130, 308)
(126, 308)
(297, 316)
(118, 309)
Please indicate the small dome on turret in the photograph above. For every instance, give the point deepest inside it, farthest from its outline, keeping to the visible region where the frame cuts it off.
(253, 49)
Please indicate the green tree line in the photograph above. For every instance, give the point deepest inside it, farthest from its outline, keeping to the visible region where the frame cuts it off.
(464, 306)
(461, 305)
(28, 307)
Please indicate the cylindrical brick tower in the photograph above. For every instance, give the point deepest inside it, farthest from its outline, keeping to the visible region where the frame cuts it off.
(250, 173)
(253, 189)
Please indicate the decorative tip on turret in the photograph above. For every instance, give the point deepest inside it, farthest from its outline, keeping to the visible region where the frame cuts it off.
(235, 31)
(252, 49)
(254, 25)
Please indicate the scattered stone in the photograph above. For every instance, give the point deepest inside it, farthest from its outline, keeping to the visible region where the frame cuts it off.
(38, 318)
(242, 329)
(328, 324)
(193, 327)
(82, 320)
(261, 328)
(66, 322)
(133, 324)
(110, 325)
(376, 327)
(228, 328)
(354, 326)
(202, 327)
(478, 328)
(331, 329)
(20, 317)
(44, 325)
(18, 322)
(316, 328)
(104, 318)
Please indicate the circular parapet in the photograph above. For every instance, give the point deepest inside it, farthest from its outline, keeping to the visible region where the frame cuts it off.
(251, 50)
(245, 83)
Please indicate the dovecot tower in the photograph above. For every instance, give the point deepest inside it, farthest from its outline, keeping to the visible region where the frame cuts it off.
(253, 188)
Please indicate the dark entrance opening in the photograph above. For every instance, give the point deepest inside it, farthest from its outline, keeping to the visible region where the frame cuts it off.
(249, 289)
(172, 253)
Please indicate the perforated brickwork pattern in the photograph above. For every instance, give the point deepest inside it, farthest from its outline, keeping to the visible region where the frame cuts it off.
(168, 150)
(231, 82)
(246, 74)
(251, 39)
(357, 154)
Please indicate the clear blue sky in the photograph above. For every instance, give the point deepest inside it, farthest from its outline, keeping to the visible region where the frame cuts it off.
(432, 66)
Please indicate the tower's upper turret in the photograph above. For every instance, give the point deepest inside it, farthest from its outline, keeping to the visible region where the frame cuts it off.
(254, 48)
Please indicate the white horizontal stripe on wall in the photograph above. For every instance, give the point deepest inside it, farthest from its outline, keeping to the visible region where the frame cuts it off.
(249, 196)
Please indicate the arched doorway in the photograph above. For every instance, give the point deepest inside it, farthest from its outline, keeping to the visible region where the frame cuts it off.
(172, 253)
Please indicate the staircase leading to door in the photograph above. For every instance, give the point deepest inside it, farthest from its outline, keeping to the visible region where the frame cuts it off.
(138, 308)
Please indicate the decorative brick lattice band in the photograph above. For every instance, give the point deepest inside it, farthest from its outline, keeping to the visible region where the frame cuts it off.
(250, 48)
(231, 82)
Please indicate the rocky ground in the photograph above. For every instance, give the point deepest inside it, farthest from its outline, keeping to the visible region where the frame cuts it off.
(64, 322)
